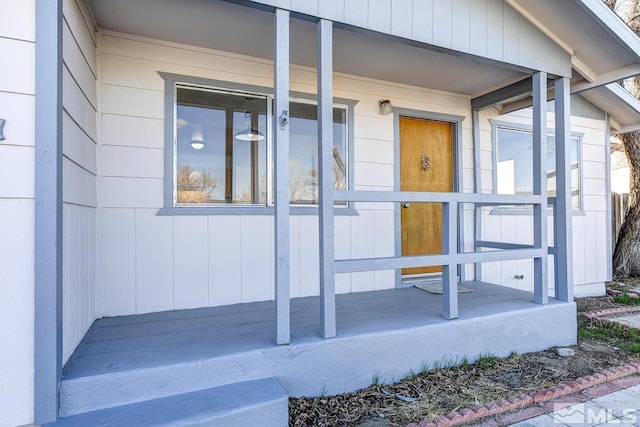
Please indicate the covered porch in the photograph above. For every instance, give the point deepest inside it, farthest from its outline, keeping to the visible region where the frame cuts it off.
(384, 336)
(146, 347)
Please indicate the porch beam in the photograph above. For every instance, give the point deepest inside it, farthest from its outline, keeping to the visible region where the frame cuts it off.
(449, 270)
(48, 211)
(389, 263)
(437, 197)
(510, 93)
(325, 169)
(563, 223)
(281, 142)
(540, 289)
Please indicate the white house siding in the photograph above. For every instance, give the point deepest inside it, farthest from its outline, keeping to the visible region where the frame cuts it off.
(79, 128)
(487, 28)
(589, 223)
(17, 107)
(151, 263)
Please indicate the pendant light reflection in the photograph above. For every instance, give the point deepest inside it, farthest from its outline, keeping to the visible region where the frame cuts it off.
(249, 134)
(197, 141)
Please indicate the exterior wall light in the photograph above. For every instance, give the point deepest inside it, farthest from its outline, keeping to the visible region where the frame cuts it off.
(385, 106)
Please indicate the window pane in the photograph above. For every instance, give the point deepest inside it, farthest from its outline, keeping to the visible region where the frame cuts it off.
(303, 162)
(220, 147)
(515, 164)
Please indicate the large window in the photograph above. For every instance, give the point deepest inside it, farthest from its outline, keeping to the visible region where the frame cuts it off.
(514, 167)
(222, 148)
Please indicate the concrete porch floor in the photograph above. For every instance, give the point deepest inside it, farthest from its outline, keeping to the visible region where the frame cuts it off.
(382, 333)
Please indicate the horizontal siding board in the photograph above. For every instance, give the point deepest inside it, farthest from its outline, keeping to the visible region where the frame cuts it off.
(120, 192)
(79, 185)
(22, 54)
(132, 131)
(19, 112)
(77, 145)
(78, 67)
(132, 162)
(16, 171)
(132, 102)
(77, 105)
(18, 20)
(79, 26)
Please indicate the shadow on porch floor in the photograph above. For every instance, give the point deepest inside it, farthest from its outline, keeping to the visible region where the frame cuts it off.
(149, 340)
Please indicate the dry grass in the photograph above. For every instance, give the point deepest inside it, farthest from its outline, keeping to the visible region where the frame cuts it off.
(435, 392)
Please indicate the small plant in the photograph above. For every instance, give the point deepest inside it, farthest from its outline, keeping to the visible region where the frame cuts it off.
(599, 334)
(465, 363)
(412, 375)
(627, 300)
(633, 347)
(375, 378)
(487, 362)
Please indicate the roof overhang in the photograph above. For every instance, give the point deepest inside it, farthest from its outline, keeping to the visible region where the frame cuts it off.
(603, 48)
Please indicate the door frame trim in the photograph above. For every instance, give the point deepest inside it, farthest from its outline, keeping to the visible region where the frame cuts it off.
(456, 140)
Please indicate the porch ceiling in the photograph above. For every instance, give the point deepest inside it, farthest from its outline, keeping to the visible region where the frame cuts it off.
(232, 28)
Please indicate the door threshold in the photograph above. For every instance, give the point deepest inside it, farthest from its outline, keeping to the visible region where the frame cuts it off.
(409, 280)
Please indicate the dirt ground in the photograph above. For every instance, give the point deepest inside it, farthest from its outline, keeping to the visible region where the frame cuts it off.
(440, 391)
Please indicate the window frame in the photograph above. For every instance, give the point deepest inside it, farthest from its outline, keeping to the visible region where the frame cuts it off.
(521, 127)
(171, 83)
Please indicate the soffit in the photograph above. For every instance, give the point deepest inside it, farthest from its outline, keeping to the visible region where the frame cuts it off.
(596, 37)
(232, 28)
(622, 107)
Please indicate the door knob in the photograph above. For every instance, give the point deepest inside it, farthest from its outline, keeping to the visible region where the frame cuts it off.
(405, 205)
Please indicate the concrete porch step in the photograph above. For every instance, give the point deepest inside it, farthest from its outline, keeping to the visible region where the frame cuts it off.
(256, 402)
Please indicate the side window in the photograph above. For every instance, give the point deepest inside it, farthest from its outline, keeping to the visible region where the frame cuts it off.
(514, 164)
(303, 160)
(219, 147)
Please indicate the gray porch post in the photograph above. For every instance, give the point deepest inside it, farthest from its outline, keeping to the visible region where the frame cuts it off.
(477, 188)
(540, 291)
(48, 211)
(281, 79)
(449, 271)
(325, 193)
(563, 223)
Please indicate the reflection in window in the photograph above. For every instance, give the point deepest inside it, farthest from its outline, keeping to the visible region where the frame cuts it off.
(221, 147)
(303, 161)
(515, 164)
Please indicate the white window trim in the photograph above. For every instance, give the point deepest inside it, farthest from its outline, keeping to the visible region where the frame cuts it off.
(520, 127)
(170, 158)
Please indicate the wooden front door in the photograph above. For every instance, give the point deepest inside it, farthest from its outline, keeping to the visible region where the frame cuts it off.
(426, 164)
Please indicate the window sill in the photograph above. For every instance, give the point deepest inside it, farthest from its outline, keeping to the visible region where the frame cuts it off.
(248, 210)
